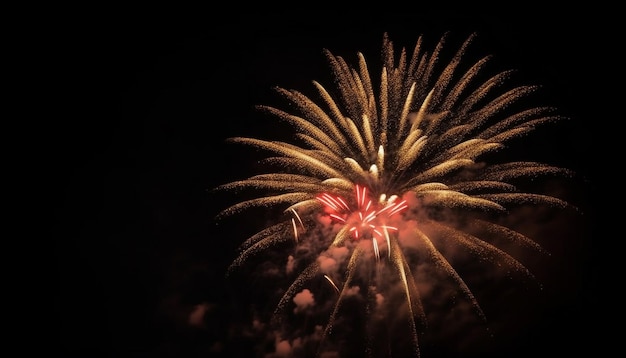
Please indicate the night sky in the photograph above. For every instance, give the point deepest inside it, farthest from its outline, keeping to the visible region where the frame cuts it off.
(142, 143)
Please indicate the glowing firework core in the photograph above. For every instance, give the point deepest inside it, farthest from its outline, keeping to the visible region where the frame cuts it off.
(369, 220)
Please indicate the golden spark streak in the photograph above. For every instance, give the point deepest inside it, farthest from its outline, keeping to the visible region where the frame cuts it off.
(332, 283)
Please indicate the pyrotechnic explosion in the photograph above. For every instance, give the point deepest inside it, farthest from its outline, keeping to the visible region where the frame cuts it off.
(389, 184)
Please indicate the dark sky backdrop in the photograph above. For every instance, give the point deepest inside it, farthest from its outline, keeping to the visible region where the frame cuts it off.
(155, 96)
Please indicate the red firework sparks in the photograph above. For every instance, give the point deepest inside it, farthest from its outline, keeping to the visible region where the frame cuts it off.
(369, 219)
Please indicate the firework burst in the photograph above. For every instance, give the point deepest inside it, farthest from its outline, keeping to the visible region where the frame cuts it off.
(393, 172)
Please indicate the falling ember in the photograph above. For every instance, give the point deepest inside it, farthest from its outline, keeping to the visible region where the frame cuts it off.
(332, 283)
(420, 129)
(293, 223)
(295, 229)
(376, 250)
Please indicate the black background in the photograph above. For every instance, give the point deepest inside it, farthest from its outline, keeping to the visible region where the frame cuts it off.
(154, 94)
